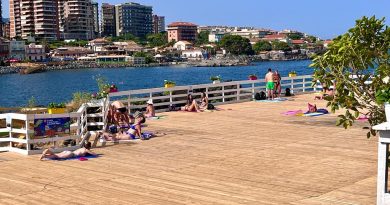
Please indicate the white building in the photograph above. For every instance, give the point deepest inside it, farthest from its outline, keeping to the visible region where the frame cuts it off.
(182, 45)
(195, 54)
(216, 37)
(35, 52)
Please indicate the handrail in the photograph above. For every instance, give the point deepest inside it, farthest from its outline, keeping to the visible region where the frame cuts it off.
(240, 90)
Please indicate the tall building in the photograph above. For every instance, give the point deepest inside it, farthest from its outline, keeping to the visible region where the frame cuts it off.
(96, 23)
(34, 18)
(108, 27)
(6, 28)
(158, 24)
(182, 31)
(133, 18)
(76, 20)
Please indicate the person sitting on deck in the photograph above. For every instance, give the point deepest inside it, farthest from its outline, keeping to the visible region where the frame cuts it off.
(326, 92)
(204, 101)
(81, 152)
(270, 84)
(150, 111)
(132, 133)
(191, 105)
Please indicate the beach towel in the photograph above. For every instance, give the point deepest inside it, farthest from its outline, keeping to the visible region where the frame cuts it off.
(292, 112)
(276, 100)
(85, 158)
(156, 118)
(363, 118)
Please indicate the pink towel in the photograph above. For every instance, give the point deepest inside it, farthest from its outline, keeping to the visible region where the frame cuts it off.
(292, 112)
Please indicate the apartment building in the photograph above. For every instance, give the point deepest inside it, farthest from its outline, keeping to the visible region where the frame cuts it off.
(133, 18)
(76, 19)
(158, 24)
(36, 18)
(108, 27)
(182, 31)
(96, 22)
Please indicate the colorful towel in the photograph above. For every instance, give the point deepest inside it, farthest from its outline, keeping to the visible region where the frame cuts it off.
(276, 100)
(292, 112)
(86, 158)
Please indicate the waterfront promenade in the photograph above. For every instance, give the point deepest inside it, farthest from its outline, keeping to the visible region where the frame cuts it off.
(247, 154)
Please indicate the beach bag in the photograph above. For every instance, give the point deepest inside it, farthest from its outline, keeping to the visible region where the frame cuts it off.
(210, 106)
(172, 108)
(288, 92)
(260, 96)
(257, 96)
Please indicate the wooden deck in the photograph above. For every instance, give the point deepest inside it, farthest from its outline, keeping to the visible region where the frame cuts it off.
(247, 154)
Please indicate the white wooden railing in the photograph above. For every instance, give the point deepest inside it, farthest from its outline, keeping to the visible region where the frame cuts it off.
(220, 93)
(79, 130)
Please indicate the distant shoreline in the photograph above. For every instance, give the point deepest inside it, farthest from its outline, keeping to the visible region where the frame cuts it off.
(13, 70)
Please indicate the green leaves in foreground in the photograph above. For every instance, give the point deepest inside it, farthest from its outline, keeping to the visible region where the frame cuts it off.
(356, 63)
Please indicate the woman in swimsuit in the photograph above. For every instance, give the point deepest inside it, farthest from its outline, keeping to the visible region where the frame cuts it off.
(132, 133)
(191, 105)
(150, 111)
(277, 79)
(204, 101)
(81, 152)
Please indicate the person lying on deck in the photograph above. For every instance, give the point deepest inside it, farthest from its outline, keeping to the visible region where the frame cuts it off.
(81, 152)
(191, 105)
(326, 92)
(132, 133)
(150, 111)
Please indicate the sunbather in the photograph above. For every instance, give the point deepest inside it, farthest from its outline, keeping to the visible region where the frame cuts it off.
(191, 105)
(81, 152)
(270, 84)
(204, 101)
(132, 133)
(150, 111)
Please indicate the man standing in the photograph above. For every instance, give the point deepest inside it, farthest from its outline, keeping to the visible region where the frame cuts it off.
(270, 85)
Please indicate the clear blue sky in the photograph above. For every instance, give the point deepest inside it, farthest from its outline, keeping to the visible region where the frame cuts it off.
(324, 18)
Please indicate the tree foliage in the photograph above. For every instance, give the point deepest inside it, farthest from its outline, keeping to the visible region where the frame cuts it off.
(262, 46)
(280, 46)
(157, 40)
(202, 38)
(236, 45)
(294, 36)
(148, 57)
(125, 37)
(352, 60)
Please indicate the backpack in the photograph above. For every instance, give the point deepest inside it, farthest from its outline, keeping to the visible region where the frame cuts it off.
(210, 106)
(288, 92)
(260, 96)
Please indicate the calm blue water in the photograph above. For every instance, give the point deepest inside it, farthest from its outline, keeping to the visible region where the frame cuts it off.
(58, 86)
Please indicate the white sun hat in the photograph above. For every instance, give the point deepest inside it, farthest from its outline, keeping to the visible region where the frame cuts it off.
(150, 102)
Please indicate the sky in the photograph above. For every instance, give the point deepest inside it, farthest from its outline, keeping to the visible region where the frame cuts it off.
(323, 18)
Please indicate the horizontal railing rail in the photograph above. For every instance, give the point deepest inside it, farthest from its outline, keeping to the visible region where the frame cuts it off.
(219, 93)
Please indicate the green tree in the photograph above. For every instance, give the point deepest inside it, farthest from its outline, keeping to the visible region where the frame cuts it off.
(312, 39)
(280, 46)
(125, 37)
(157, 40)
(236, 45)
(202, 38)
(358, 56)
(262, 46)
(294, 36)
(148, 57)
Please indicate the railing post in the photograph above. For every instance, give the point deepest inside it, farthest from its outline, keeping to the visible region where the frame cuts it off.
(253, 90)
(238, 92)
(292, 85)
(304, 85)
(27, 135)
(223, 94)
(129, 102)
(383, 197)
